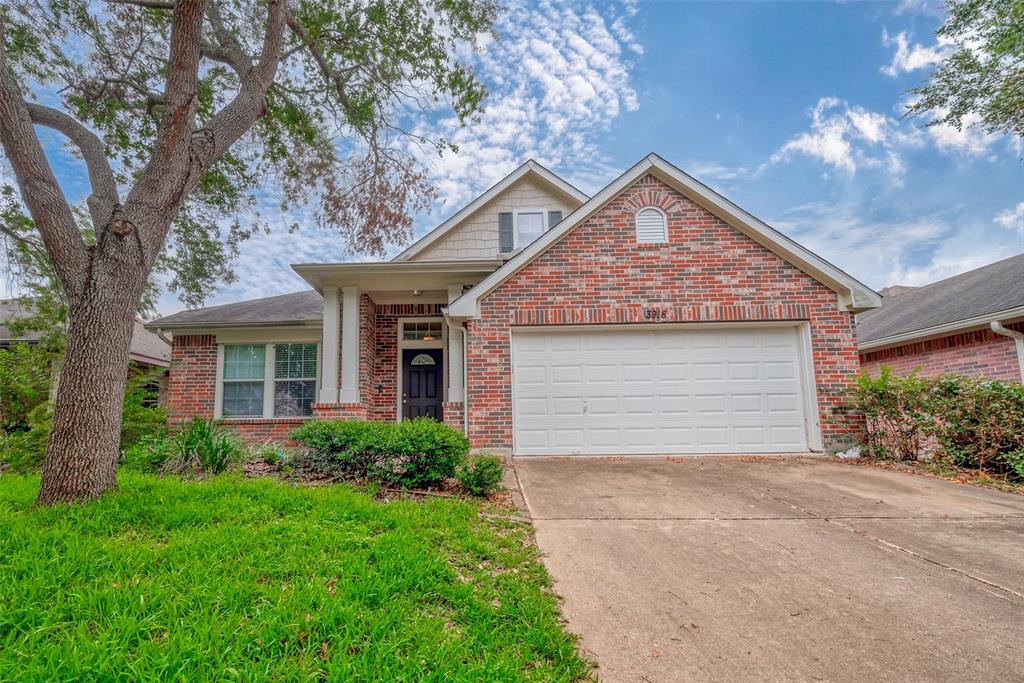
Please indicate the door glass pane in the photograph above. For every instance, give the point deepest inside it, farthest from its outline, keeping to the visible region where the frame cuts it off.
(242, 399)
(529, 226)
(244, 361)
(423, 359)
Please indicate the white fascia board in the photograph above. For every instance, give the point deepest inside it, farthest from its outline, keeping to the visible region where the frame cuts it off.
(856, 295)
(530, 167)
(956, 327)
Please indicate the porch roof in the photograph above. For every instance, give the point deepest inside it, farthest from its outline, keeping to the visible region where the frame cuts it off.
(396, 276)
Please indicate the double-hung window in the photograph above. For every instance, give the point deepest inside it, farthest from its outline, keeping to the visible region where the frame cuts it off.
(268, 380)
(245, 368)
(529, 226)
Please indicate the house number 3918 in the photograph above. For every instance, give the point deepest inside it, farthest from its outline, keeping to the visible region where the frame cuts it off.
(655, 314)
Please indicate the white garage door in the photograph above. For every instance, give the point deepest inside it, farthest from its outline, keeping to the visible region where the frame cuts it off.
(658, 391)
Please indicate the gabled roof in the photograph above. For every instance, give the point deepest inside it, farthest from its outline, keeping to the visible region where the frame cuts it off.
(854, 294)
(971, 299)
(296, 308)
(530, 168)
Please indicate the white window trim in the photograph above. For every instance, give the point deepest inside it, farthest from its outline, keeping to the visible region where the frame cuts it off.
(269, 382)
(636, 225)
(403, 344)
(543, 211)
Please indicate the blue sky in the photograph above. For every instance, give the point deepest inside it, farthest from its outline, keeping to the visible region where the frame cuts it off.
(793, 110)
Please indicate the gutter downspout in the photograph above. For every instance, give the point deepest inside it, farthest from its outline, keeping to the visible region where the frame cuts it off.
(1018, 339)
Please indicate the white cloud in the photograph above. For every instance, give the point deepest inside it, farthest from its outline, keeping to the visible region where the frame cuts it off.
(969, 140)
(911, 57)
(849, 138)
(558, 78)
(1012, 219)
(886, 247)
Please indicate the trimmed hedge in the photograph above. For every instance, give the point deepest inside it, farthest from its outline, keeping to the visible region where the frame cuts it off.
(412, 453)
(972, 422)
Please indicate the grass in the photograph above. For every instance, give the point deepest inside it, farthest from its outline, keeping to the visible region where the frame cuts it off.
(231, 579)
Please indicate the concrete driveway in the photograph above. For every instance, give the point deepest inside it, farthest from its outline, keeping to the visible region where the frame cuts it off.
(746, 569)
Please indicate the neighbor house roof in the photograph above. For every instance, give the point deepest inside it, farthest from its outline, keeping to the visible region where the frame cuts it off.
(971, 299)
(147, 347)
(284, 309)
(530, 168)
(854, 294)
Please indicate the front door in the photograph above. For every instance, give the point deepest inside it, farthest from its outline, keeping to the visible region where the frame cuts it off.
(422, 391)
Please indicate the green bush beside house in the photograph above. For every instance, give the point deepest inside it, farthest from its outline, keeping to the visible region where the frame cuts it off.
(972, 422)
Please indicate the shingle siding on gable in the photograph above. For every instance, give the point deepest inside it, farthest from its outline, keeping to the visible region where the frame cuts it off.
(707, 271)
(979, 353)
(477, 236)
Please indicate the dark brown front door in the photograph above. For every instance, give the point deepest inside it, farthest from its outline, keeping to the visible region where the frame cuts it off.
(421, 383)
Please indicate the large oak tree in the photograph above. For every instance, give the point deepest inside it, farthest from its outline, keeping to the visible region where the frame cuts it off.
(181, 112)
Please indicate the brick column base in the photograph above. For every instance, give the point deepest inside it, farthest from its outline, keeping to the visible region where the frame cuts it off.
(454, 414)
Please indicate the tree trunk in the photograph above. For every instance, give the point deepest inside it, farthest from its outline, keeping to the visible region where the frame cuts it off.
(84, 444)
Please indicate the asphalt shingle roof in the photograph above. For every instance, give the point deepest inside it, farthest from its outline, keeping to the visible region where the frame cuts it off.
(284, 308)
(989, 289)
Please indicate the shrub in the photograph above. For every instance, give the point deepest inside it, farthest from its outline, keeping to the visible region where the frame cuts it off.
(141, 416)
(349, 448)
(203, 446)
(412, 453)
(24, 384)
(480, 476)
(23, 451)
(893, 409)
(972, 422)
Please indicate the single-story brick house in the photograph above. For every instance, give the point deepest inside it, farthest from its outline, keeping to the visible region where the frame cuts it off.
(654, 317)
(969, 324)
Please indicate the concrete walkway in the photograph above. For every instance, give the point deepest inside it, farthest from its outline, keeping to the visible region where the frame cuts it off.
(743, 569)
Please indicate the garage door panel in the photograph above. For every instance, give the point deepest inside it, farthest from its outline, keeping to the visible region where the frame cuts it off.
(658, 391)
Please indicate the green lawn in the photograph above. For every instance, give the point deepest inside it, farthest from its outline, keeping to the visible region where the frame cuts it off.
(233, 579)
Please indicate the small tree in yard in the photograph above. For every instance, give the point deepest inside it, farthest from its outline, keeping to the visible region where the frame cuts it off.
(181, 110)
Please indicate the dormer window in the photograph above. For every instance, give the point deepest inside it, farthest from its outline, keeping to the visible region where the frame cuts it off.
(529, 226)
(651, 226)
(518, 228)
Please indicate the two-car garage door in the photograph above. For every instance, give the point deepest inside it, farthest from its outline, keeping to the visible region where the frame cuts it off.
(658, 390)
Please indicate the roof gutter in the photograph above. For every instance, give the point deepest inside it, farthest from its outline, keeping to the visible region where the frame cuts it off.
(1018, 340)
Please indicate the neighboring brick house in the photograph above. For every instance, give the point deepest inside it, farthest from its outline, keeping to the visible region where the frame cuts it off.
(969, 324)
(656, 317)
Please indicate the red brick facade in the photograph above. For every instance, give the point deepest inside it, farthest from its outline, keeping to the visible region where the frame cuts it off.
(193, 376)
(192, 385)
(707, 271)
(981, 353)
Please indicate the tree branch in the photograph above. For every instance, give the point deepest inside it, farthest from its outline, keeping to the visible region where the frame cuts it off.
(104, 187)
(231, 122)
(39, 188)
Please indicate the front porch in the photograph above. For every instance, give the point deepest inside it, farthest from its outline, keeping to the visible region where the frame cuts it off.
(387, 351)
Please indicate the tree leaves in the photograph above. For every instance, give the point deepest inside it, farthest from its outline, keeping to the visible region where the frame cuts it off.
(984, 77)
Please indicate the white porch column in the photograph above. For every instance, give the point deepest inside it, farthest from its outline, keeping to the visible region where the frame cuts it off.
(329, 348)
(349, 345)
(456, 373)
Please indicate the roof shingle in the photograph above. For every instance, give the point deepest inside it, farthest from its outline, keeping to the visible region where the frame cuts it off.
(987, 290)
(297, 307)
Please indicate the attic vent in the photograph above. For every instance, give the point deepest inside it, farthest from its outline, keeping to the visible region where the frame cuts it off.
(651, 226)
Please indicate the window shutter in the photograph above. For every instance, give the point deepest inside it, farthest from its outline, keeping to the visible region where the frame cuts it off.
(554, 218)
(651, 227)
(505, 232)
